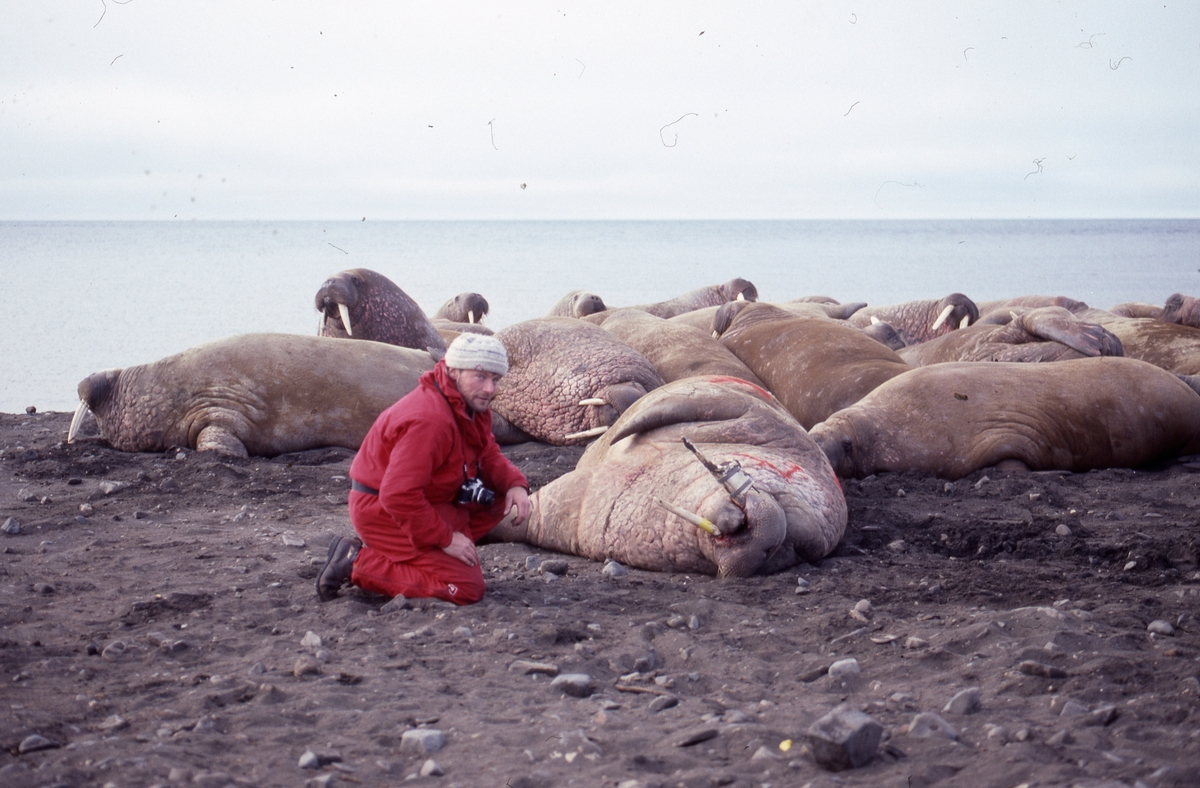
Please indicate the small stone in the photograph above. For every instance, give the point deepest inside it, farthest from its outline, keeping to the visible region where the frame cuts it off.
(309, 760)
(1073, 708)
(1161, 627)
(257, 669)
(1062, 530)
(431, 769)
(579, 685)
(305, 666)
(532, 562)
(11, 527)
(34, 742)
(115, 650)
(897, 546)
(422, 741)
(1131, 566)
(982, 482)
(86, 509)
(168, 485)
(1060, 738)
(928, 725)
(863, 606)
(292, 541)
(395, 605)
(964, 702)
(554, 566)
(1105, 715)
(949, 487)
(114, 722)
(613, 570)
(463, 632)
(900, 493)
(43, 588)
(311, 640)
(844, 667)
(527, 667)
(663, 702)
(140, 515)
(845, 738)
(997, 733)
(802, 582)
(1031, 668)
(695, 737)
(30, 409)
(111, 488)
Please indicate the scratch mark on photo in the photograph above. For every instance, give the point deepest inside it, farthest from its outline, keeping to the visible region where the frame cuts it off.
(115, 59)
(1036, 163)
(1115, 66)
(492, 133)
(580, 62)
(340, 249)
(854, 19)
(912, 185)
(965, 51)
(105, 11)
(672, 123)
(1087, 44)
(852, 106)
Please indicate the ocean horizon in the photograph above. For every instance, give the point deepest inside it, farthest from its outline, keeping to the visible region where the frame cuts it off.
(94, 295)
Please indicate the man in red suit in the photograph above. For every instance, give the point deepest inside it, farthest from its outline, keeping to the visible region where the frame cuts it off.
(424, 485)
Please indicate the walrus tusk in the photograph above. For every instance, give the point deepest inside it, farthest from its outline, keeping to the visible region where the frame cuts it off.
(740, 297)
(593, 401)
(471, 316)
(730, 474)
(875, 320)
(694, 519)
(942, 317)
(966, 321)
(76, 420)
(716, 335)
(593, 432)
(344, 311)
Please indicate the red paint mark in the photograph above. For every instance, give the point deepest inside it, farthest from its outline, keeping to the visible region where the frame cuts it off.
(726, 379)
(786, 473)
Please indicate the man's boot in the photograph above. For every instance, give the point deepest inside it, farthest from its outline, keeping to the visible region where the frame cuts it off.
(338, 567)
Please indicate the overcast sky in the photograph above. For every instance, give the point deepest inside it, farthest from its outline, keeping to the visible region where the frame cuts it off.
(641, 110)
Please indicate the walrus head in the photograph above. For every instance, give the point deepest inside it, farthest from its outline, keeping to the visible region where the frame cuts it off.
(739, 290)
(469, 308)
(96, 391)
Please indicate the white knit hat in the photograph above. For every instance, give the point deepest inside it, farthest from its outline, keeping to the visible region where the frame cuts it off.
(477, 351)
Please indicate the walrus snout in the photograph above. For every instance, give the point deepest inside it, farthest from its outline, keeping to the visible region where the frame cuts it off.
(764, 526)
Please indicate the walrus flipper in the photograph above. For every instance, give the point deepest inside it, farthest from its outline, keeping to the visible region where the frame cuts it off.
(221, 440)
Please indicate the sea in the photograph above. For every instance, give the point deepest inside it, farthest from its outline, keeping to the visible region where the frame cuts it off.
(86, 296)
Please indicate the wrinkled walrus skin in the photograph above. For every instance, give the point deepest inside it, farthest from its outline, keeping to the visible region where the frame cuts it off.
(952, 419)
(606, 507)
(255, 394)
(377, 310)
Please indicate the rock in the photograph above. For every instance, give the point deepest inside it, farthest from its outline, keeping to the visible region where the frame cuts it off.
(292, 541)
(1161, 627)
(11, 527)
(311, 640)
(928, 725)
(395, 605)
(763, 754)
(1060, 738)
(613, 570)
(305, 666)
(695, 737)
(462, 632)
(114, 722)
(115, 650)
(1062, 530)
(309, 760)
(844, 667)
(1073, 708)
(34, 742)
(579, 685)
(845, 738)
(532, 562)
(431, 769)
(527, 667)
(554, 566)
(663, 702)
(422, 741)
(43, 588)
(965, 702)
(1031, 668)
(111, 488)
(1105, 715)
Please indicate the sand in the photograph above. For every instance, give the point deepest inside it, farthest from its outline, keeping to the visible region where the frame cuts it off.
(1006, 629)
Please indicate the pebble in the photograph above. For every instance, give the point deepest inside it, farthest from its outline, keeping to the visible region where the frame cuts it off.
(527, 667)
(305, 666)
(663, 702)
(11, 527)
(966, 702)
(1062, 530)
(309, 760)
(115, 650)
(86, 509)
(532, 562)
(1161, 627)
(431, 769)
(1073, 708)
(695, 737)
(1031, 668)
(422, 741)
(554, 566)
(34, 742)
(898, 546)
(114, 722)
(982, 482)
(43, 588)
(579, 685)
(395, 605)
(1060, 738)
(927, 725)
(311, 640)
(613, 569)
(462, 632)
(845, 738)
(1131, 566)
(844, 667)
(292, 541)
(109, 488)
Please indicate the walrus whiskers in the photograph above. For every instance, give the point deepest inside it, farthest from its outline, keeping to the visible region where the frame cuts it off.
(942, 317)
(345, 313)
(593, 432)
(695, 519)
(76, 420)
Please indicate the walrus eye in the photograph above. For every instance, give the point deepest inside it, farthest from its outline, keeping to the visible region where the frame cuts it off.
(847, 448)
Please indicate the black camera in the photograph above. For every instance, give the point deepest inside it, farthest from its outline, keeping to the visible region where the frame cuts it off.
(473, 491)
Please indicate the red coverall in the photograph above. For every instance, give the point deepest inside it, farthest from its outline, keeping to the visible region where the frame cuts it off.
(414, 456)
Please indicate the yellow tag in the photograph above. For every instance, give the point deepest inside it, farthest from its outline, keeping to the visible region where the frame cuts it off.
(785, 745)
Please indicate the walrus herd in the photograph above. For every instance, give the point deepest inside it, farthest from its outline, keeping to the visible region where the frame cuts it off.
(718, 425)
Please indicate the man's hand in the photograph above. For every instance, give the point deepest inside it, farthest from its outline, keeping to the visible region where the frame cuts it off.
(462, 548)
(519, 498)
